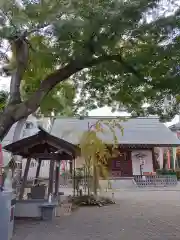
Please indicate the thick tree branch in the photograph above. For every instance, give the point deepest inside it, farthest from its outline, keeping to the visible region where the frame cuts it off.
(21, 60)
(6, 121)
(128, 67)
(14, 113)
(62, 74)
(52, 80)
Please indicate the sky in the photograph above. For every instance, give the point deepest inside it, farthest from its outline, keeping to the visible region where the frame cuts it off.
(4, 83)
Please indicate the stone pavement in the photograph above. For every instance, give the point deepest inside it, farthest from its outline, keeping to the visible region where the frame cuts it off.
(137, 215)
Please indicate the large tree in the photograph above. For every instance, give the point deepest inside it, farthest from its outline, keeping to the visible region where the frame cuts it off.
(116, 52)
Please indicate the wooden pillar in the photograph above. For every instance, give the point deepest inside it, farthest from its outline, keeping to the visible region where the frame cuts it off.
(51, 178)
(57, 172)
(154, 160)
(28, 162)
(37, 171)
(71, 168)
(168, 159)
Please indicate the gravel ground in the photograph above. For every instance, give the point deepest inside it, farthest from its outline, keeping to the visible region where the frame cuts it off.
(137, 215)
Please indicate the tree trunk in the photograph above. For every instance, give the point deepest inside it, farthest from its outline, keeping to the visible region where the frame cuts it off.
(17, 111)
(11, 115)
(6, 122)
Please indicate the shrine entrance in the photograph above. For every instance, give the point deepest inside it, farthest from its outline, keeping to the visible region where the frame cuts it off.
(121, 166)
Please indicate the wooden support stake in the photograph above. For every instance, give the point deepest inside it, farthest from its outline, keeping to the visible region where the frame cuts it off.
(28, 162)
(37, 171)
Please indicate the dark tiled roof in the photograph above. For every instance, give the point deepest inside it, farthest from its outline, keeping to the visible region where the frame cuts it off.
(137, 131)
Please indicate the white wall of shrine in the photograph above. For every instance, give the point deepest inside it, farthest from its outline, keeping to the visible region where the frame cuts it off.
(139, 156)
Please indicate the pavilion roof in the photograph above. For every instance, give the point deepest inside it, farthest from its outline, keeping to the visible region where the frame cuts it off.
(42, 143)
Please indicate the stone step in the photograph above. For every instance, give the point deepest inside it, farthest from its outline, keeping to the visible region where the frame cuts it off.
(123, 183)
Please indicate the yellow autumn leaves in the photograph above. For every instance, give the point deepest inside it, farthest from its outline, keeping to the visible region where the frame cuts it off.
(95, 151)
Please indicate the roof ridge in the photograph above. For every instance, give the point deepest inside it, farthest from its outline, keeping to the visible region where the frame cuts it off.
(105, 117)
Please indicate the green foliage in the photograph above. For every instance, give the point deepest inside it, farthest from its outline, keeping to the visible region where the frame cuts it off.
(4, 95)
(140, 31)
(60, 100)
(166, 172)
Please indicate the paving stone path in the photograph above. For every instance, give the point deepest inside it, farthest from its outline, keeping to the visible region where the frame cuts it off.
(137, 215)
